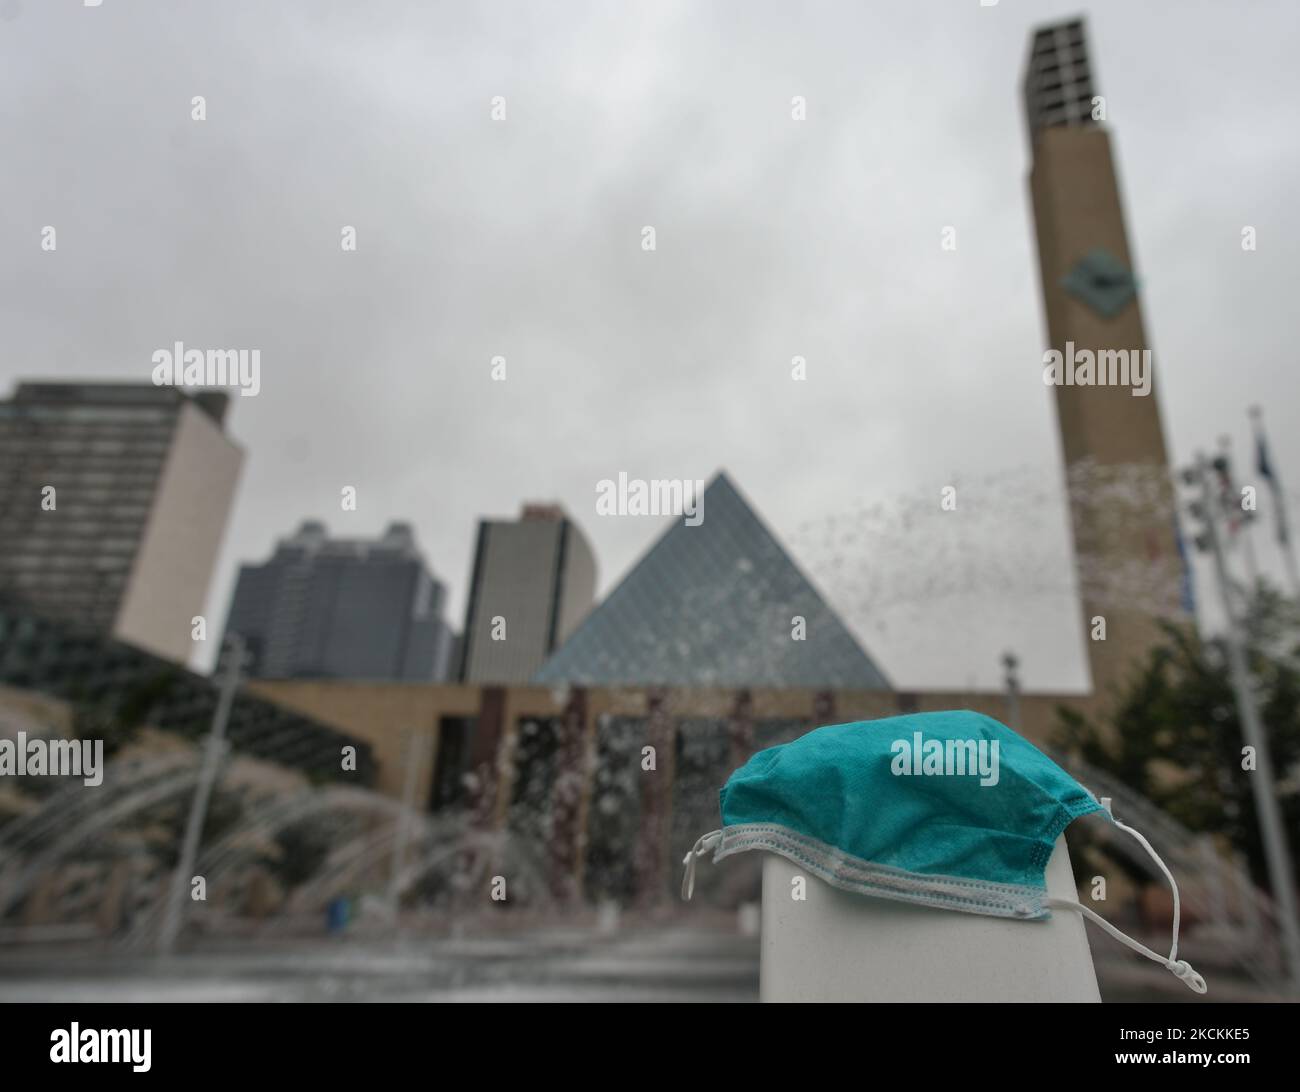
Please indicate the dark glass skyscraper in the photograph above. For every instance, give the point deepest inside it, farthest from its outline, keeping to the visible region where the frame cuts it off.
(344, 609)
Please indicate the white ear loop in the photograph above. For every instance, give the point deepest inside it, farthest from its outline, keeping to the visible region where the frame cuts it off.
(702, 846)
(1180, 968)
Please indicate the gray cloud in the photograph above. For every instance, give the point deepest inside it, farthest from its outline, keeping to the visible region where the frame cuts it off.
(775, 239)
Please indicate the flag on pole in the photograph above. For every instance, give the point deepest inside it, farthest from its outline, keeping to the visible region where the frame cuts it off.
(1264, 464)
(1265, 467)
(1186, 589)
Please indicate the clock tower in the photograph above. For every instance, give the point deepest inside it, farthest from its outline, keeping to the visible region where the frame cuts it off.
(1122, 505)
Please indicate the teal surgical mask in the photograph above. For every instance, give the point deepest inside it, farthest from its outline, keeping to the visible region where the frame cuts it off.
(950, 810)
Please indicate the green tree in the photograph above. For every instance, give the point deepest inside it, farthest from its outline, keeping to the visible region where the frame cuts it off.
(1175, 737)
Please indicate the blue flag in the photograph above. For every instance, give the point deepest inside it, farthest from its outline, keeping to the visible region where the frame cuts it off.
(1265, 468)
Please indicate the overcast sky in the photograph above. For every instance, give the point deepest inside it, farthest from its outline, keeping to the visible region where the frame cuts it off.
(775, 238)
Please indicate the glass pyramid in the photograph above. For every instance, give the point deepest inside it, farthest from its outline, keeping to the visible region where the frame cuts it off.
(712, 606)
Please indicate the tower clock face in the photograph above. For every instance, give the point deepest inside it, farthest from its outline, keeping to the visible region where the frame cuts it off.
(1101, 281)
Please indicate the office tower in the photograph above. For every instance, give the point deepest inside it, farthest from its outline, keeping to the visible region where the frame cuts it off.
(1121, 498)
(534, 579)
(343, 609)
(714, 605)
(115, 497)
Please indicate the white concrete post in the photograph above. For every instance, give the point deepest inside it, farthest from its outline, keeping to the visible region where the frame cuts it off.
(841, 946)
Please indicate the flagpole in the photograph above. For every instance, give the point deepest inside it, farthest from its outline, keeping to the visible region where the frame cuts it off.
(1263, 784)
(1280, 514)
(1243, 532)
(1252, 565)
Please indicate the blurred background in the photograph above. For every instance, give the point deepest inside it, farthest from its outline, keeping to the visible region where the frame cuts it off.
(390, 706)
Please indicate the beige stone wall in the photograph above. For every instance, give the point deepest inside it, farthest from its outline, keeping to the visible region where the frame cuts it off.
(578, 592)
(517, 583)
(1126, 551)
(178, 549)
(380, 713)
